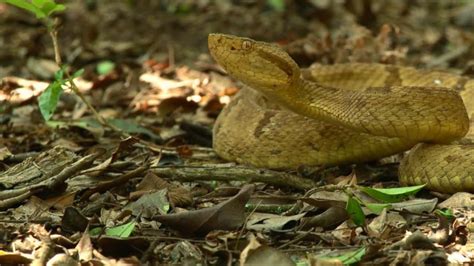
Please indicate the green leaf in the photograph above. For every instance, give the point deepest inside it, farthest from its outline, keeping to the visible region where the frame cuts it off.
(124, 230)
(105, 67)
(95, 231)
(355, 211)
(48, 100)
(39, 3)
(377, 208)
(77, 73)
(133, 128)
(48, 7)
(347, 258)
(59, 75)
(301, 263)
(448, 213)
(391, 194)
(278, 5)
(23, 4)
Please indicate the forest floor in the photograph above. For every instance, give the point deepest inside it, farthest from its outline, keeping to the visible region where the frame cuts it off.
(144, 185)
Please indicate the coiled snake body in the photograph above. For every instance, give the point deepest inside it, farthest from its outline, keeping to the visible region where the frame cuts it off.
(345, 113)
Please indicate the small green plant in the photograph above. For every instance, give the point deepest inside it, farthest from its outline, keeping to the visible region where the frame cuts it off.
(43, 9)
(122, 231)
(447, 213)
(354, 209)
(384, 195)
(278, 5)
(47, 102)
(389, 195)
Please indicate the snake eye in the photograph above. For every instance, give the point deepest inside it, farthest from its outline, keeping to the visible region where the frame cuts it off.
(246, 45)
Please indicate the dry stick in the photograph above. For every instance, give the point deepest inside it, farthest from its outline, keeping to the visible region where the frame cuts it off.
(19, 157)
(67, 172)
(229, 173)
(4, 204)
(18, 195)
(11, 193)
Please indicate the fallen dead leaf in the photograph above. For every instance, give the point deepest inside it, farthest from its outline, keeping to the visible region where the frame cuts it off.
(384, 225)
(226, 215)
(267, 221)
(258, 254)
(84, 247)
(73, 220)
(266, 255)
(150, 204)
(459, 200)
(327, 219)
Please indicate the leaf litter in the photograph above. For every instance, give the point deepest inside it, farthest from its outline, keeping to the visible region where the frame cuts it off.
(75, 192)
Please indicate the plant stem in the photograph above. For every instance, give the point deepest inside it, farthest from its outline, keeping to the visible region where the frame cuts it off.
(53, 32)
(57, 55)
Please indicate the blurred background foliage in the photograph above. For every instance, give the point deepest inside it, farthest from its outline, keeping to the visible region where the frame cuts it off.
(94, 30)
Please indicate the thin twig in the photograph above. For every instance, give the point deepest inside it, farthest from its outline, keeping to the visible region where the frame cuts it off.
(115, 182)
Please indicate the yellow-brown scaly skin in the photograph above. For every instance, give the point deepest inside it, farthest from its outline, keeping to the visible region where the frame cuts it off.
(345, 113)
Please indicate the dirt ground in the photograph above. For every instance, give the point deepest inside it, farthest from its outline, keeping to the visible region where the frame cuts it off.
(143, 186)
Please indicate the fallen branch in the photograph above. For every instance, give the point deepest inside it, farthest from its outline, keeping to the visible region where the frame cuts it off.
(13, 197)
(227, 172)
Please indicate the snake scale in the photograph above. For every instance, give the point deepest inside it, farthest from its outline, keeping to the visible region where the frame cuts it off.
(285, 116)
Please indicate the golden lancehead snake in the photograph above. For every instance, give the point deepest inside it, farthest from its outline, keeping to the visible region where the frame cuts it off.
(285, 116)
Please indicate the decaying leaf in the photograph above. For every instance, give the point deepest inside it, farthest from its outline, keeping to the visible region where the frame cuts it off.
(267, 221)
(258, 254)
(227, 215)
(150, 204)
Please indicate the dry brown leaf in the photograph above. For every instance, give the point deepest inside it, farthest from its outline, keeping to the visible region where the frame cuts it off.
(267, 221)
(226, 215)
(258, 254)
(459, 200)
(84, 247)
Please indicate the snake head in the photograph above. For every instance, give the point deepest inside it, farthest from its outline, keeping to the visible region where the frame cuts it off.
(262, 66)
